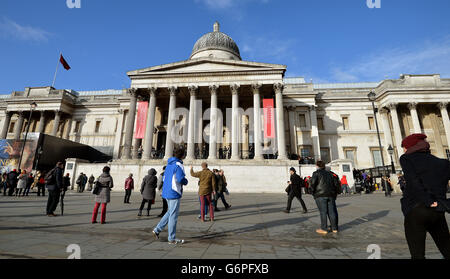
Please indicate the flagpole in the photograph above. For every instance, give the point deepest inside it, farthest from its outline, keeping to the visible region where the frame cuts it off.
(56, 71)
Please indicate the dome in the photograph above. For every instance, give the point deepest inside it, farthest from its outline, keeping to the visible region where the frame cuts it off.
(216, 44)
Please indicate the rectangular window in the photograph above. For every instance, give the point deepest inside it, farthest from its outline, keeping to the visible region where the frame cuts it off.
(345, 123)
(325, 155)
(350, 154)
(320, 123)
(77, 127)
(11, 127)
(305, 151)
(371, 123)
(98, 123)
(376, 156)
(302, 119)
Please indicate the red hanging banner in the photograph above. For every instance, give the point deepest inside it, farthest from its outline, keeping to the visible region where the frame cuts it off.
(269, 121)
(141, 120)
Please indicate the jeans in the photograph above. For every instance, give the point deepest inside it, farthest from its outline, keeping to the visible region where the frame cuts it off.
(291, 197)
(27, 190)
(95, 213)
(327, 208)
(420, 221)
(53, 200)
(170, 219)
(5, 189)
(222, 197)
(203, 200)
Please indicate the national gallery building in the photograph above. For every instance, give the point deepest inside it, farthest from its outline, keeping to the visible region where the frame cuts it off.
(209, 104)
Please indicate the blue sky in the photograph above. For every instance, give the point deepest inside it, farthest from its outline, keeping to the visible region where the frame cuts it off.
(323, 40)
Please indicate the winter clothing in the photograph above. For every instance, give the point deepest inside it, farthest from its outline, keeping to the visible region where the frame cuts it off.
(295, 191)
(412, 140)
(324, 184)
(106, 182)
(148, 186)
(129, 186)
(207, 182)
(174, 179)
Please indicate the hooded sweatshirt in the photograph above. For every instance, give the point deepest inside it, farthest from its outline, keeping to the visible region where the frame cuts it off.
(174, 179)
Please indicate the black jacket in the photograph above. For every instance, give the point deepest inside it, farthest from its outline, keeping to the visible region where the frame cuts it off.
(66, 183)
(324, 184)
(426, 179)
(12, 179)
(58, 183)
(296, 185)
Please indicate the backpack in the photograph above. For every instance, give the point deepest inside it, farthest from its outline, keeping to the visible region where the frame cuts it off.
(50, 177)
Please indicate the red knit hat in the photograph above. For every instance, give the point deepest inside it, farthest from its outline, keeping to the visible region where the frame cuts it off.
(412, 140)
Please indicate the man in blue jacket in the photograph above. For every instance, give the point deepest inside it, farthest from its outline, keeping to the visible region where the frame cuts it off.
(174, 180)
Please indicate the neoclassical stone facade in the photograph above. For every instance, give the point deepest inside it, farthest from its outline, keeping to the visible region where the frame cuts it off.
(222, 96)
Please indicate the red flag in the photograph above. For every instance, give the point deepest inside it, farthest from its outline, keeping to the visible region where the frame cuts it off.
(269, 123)
(141, 120)
(64, 63)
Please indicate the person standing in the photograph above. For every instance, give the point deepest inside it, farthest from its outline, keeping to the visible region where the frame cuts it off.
(30, 181)
(148, 191)
(22, 183)
(401, 181)
(66, 183)
(103, 197)
(81, 182)
(294, 190)
(207, 185)
(221, 189)
(325, 188)
(54, 183)
(41, 184)
(12, 182)
(129, 186)
(91, 182)
(174, 180)
(424, 193)
(160, 185)
(344, 185)
(4, 183)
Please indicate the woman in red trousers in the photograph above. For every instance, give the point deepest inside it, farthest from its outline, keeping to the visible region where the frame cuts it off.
(104, 195)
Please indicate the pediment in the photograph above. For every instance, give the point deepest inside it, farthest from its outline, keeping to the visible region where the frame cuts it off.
(207, 65)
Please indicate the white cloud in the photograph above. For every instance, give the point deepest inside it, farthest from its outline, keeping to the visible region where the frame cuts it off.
(11, 29)
(269, 48)
(225, 4)
(432, 57)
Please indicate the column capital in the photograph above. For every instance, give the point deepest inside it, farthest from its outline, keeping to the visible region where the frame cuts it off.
(278, 87)
(57, 112)
(235, 89)
(121, 111)
(412, 105)
(152, 91)
(442, 105)
(291, 108)
(313, 108)
(132, 91)
(383, 110)
(193, 90)
(173, 90)
(392, 106)
(20, 113)
(213, 89)
(256, 87)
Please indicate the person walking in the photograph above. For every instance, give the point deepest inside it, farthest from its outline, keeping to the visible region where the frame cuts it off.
(41, 184)
(325, 188)
(54, 183)
(344, 184)
(22, 183)
(221, 188)
(129, 186)
(81, 182)
(91, 182)
(424, 196)
(148, 191)
(207, 185)
(174, 180)
(12, 182)
(160, 185)
(103, 197)
(294, 190)
(66, 184)
(4, 183)
(30, 181)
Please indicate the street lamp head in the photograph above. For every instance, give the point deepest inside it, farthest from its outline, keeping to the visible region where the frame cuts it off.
(390, 150)
(372, 96)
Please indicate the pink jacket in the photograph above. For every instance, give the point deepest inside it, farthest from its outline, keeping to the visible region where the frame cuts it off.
(129, 183)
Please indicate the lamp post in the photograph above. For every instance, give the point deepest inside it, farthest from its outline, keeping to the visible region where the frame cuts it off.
(33, 106)
(372, 97)
(391, 152)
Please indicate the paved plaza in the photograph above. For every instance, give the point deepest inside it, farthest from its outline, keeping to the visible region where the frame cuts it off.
(255, 227)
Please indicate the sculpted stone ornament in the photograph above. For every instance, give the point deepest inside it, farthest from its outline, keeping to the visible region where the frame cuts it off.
(213, 89)
(173, 90)
(278, 87)
(132, 91)
(392, 106)
(235, 89)
(152, 90)
(443, 105)
(256, 87)
(412, 105)
(193, 90)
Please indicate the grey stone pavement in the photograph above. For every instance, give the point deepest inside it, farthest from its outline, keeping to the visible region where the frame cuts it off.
(254, 228)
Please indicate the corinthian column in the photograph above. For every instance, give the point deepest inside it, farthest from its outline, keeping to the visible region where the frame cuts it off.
(56, 122)
(126, 154)
(193, 90)
(235, 122)
(213, 123)
(444, 113)
(386, 128)
(19, 124)
(278, 87)
(150, 124)
(397, 130)
(415, 118)
(257, 121)
(172, 106)
(4, 134)
(41, 128)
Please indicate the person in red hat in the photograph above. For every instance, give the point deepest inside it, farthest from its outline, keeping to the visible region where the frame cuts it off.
(423, 196)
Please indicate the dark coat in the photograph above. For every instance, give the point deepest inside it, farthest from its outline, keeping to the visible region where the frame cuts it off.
(426, 179)
(296, 185)
(66, 183)
(148, 186)
(58, 183)
(12, 179)
(324, 184)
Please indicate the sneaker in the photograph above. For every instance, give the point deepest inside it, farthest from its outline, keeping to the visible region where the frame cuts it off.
(320, 231)
(156, 235)
(176, 241)
(228, 207)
